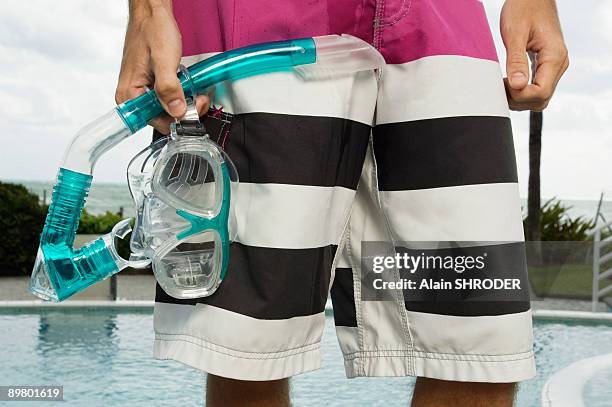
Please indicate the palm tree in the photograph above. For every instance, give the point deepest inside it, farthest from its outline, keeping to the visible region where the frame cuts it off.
(533, 232)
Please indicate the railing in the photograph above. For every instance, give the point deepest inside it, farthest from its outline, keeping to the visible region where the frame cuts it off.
(600, 258)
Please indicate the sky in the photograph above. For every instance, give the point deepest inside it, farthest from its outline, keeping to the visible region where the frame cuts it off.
(59, 63)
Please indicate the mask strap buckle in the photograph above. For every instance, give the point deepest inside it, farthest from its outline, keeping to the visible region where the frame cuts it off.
(189, 124)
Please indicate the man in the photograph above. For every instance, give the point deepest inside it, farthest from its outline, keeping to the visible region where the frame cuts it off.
(428, 142)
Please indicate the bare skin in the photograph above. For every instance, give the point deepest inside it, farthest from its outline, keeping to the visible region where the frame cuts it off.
(151, 56)
(532, 26)
(238, 393)
(442, 393)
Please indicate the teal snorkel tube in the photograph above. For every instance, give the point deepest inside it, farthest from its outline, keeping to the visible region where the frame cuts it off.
(61, 270)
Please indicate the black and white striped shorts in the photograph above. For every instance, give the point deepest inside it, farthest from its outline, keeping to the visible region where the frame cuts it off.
(419, 152)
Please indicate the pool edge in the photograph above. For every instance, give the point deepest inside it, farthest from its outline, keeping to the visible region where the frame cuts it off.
(148, 304)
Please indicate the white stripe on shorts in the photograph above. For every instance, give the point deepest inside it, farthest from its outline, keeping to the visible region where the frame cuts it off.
(441, 86)
(232, 345)
(497, 335)
(345, 97)
(275, 215)
(484, 212)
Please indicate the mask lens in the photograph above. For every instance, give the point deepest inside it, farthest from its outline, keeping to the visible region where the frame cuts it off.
(192, 267)
(187, 179)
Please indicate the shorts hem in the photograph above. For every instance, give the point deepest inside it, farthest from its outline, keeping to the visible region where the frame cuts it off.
(453, 367)
(220, 361)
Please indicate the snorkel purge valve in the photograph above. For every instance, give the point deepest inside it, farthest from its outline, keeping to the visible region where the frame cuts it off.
(195, 246)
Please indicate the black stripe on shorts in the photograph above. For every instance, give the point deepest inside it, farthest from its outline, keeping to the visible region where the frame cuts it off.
(292, 149)
(269, 283)
(444, 152)
(298, 150)
(501, 261)
(343, 298)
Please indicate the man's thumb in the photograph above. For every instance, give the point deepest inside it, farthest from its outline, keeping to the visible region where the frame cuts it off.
(517, 66)
(169, 90)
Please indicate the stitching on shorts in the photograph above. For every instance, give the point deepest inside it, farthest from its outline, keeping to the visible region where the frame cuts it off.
(397, 17)
(430, 355)
(225, 119)
(422, 355)
(477, 354)
(212, 347)
(473, 360)
(440, 353)
(378, 16)
(356, 290)
(436, 358)
(230, 349)
(399, 297)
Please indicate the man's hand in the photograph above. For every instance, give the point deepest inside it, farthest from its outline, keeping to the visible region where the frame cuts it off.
(151, 56)
(532, 26)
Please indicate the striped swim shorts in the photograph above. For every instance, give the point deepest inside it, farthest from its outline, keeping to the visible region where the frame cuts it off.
(419, 151)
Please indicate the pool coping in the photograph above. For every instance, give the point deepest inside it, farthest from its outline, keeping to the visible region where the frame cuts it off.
(540, 314)
(550, 314)
(566, 386)
(38, 304)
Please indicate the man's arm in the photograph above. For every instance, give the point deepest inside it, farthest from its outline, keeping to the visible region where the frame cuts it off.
(151, 56)
(532, 26)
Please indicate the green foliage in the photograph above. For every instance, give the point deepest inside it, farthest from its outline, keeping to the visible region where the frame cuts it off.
(100, 224)
(21, 220)
(556, 224)
(97, 224)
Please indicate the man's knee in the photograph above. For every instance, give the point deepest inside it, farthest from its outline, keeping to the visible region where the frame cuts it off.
(221, 391)
(440, 393)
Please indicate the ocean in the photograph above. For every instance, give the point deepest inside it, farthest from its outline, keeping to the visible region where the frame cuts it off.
(102, 196)
(115, 196)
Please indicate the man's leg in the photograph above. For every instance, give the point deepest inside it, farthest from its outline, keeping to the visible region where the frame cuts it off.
(441, 393)
(222, 392)
(444, 184)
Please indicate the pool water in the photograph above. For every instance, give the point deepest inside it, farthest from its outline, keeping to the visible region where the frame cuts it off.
(103, 358)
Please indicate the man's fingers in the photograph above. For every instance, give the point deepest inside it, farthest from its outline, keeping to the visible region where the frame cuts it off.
(168, 87)
(170, 94)
(517, 65)
(202, 104)
(532, 97)
(552, 64)
(125, 91)
(536, 96)
(163, 121)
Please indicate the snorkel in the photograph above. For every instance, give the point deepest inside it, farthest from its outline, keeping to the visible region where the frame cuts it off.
(61, 270)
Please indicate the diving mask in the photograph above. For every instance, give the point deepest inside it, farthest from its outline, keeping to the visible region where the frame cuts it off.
(181, 186)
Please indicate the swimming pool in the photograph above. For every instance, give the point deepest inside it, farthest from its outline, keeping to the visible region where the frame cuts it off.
(103, 357)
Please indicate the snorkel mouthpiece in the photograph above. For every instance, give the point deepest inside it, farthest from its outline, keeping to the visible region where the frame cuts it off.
(62, 270)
